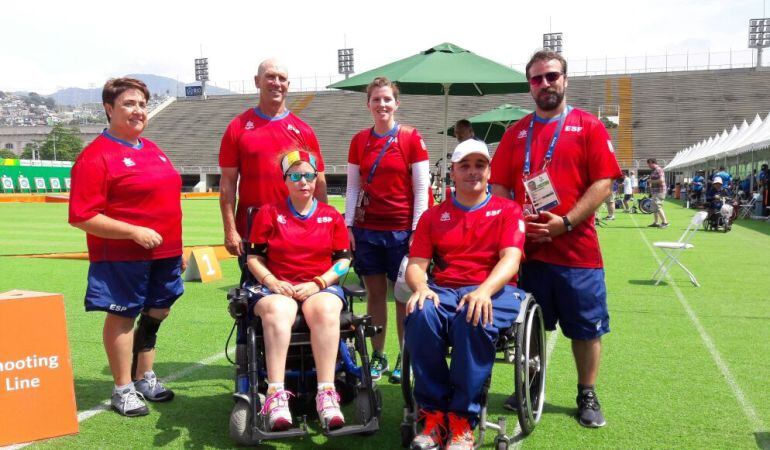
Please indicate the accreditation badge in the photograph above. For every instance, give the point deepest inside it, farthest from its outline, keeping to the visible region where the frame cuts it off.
(361, 203)
(541, 192)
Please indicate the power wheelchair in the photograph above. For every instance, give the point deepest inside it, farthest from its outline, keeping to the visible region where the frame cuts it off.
(523, 345)
(352, 375)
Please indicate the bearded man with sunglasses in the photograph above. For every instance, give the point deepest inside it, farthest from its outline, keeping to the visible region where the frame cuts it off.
(568, 155)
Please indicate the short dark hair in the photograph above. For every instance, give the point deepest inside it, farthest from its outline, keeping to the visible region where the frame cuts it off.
(116, 86)
(651, 161)
(381, 82)
(546, 55)
(464, 124)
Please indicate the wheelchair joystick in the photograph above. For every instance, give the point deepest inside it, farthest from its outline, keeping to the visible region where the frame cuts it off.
(238, 303)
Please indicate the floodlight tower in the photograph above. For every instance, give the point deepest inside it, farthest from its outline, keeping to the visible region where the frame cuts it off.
(759, 36)
(553, 41)
(202, 73)
(345, 61)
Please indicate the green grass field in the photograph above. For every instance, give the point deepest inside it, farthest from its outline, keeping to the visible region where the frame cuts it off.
(683, 367)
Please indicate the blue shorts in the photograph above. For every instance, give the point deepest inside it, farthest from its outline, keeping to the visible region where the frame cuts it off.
(256, 292)
(576, 298)
(126, 288)
(379, 252)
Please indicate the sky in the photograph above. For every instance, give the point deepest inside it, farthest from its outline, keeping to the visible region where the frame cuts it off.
(48, 45)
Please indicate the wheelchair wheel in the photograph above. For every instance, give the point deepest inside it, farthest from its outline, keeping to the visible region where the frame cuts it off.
(645, 205)
(530, 370)
(240, 423)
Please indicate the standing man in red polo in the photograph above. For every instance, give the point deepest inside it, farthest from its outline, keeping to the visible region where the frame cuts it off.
(251, 150)
(559, 163)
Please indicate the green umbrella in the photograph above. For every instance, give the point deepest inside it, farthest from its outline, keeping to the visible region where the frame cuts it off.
(490, 126)
(445, 69)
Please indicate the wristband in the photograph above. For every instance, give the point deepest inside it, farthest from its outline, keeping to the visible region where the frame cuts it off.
(262, 282)
(319, 282)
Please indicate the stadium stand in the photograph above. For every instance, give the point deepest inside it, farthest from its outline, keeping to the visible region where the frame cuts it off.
(660, 113)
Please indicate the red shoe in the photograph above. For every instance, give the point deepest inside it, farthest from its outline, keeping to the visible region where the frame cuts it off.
(433, 431)
(461, 433)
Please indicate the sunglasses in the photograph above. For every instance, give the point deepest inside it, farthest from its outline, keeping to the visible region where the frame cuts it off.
(551, 77)
(296, 176)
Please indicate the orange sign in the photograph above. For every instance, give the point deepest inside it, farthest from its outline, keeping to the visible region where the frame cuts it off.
(202, 264)
(37, 395)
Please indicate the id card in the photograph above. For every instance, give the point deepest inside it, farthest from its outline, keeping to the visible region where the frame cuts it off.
(541, 192)
(361, 203)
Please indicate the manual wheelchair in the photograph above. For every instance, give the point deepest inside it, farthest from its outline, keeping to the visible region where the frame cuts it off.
(523, 345)
(352, 374)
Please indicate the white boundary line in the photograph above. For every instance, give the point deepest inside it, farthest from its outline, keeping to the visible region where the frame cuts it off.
(708, 342)
(105, 405)
(549, 351)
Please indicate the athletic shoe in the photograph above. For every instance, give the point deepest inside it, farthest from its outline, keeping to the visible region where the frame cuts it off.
(152, 389)
(653, 225)
(664, 225)
(129, 403)
(276, 408)
(433, 431)
(327, 403)
(379, 365)
(589, 411)
(395, 375)
(609, 218)
(461, 433)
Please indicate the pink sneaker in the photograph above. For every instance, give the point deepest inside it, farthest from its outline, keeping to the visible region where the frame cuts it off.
(276, 408)
(327, 403)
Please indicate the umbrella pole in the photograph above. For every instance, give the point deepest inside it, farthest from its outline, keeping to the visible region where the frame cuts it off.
(446, 143)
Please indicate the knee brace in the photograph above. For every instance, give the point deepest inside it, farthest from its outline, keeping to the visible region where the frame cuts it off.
(145, 335)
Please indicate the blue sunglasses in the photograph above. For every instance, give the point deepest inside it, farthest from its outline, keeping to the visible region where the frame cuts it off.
(296, 176)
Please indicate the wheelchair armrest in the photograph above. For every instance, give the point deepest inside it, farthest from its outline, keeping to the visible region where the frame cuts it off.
(354, 290)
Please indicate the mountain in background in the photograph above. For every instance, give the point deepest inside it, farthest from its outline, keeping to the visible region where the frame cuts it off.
(156, 84)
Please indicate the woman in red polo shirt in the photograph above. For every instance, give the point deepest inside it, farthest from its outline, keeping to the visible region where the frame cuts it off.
(125, 196)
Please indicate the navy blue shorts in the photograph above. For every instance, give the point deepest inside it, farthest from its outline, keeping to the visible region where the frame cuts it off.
(574, 297)
(379, 252)
(126, 288)
(256, 292)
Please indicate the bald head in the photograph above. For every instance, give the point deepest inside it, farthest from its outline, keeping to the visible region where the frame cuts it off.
(271, 63)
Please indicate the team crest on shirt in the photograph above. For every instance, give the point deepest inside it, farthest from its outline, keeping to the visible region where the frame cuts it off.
(325, 219)
(445, 217)
(522, 134)
(493, 213)
(129, 162)
(162, 158)
(291, 127)
(281, 219)
(249, 125)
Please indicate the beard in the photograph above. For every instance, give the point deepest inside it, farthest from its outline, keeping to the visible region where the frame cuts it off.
(549, 100)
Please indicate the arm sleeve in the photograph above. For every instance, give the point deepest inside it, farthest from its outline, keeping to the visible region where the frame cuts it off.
(601, 155)
(315, 147)
(88, 196)
(228, 148)
(351, 193)
(422, 245)
(513, 230)
(262, 226)
(420, 189)
(501, 162)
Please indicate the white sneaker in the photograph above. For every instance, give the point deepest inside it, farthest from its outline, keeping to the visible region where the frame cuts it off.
(152, 389)
(129, 403)
(276, 407)
(327, 403)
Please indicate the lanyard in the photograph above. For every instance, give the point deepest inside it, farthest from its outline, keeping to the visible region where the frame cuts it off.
(554, 140)
(391, 137)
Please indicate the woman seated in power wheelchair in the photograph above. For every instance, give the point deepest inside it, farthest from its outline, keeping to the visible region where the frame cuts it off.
(720, 210)
(291, 333)
(470, 302)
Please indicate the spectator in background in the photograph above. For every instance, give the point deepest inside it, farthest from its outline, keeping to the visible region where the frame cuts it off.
(764, 182)
(698, 186)
(125, 196)
(387, 192)
(628, 191)
(634, 182)
(464, 130)
(658, 193)
(251, 146)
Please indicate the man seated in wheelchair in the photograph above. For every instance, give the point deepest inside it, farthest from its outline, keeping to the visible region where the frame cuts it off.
(298, 249)
(475, 241)
(717, 199)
